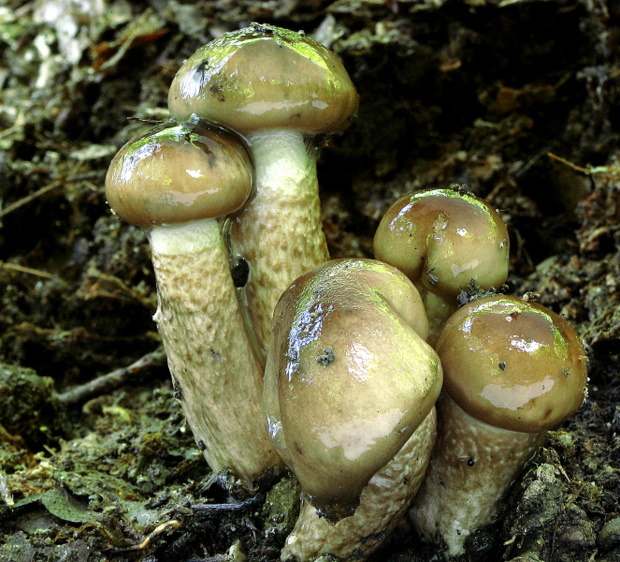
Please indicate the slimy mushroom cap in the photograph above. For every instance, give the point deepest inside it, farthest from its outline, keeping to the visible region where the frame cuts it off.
(265, 77)
(513, 364)
(348, 379)
(442, 239)
(179, 174)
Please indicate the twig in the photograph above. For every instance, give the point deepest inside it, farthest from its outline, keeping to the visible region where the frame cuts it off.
(42, 191)
(111, 381)
(5, 492)
(19, 203)
(589, 171)
(174, 524)
(28, 270)
(217, 508)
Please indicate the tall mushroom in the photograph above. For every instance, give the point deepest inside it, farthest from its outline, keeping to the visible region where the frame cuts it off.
(350, 388)
(443, 239)
(175, 182)
(277, 88)
(513, 370)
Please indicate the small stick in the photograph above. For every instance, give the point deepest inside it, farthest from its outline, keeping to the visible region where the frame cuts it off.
(217, 508)
(589, 171)
(42, 191)
(111, 381)
(17, 204)
(174, 524)
(24, 269)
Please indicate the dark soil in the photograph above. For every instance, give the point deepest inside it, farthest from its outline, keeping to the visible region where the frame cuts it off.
(515, 101)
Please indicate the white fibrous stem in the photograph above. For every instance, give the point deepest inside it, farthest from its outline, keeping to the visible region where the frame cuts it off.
(472, 468)
(213, 366)
(279, 232)
(383, 501)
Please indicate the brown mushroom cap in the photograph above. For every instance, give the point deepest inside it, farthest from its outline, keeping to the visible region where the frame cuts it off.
(179, 174)
(513, 364)
(348, 379)
(265, 77)
(443, 239)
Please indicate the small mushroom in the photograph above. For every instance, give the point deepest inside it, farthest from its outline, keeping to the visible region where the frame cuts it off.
(444, 239)
(277, 88)
(349, 380)
(513, 370)
(175, 182)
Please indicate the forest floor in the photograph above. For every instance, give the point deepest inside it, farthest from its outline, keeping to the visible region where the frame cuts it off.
(515, 101)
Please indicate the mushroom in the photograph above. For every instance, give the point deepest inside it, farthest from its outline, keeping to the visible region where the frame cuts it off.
(277, 88)
(349, 383)
(175, 182)
(444, 239)
(513, 370)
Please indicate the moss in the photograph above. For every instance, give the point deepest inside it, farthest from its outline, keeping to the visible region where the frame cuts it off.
(281, 508)
(30, 408)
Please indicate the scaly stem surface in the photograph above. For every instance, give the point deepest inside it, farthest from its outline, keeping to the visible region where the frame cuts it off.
(279, 232)
(472, 467)
(218, 376)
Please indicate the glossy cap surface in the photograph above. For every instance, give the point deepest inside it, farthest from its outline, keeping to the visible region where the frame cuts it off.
(179, 174)
(265, 77)
(442, 239)
(513, 364)
(348, 378)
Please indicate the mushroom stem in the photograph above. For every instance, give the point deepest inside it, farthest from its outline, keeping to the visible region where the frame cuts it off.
(279, 231)
(209, 354)
(468, 451)
(176, 182)
(275, 87)
(382, 503)
(513, 370)
(438, 309)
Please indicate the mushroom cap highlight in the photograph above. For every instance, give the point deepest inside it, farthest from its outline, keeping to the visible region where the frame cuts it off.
(265, 77)
(348, 378)
(513, 364)
(443, 239)
(178, 174)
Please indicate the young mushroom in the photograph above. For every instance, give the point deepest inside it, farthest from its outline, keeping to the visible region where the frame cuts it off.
(512, 371)
(444, 239)
(277, 88)
(175, 182)
(350, 388)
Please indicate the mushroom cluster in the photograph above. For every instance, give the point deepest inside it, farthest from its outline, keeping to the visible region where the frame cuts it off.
(340, 363)
(232, 181)
(278, 89)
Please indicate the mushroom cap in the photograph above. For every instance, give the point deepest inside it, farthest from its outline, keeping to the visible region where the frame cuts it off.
(442, 239)
(265, 77)
(513, 364)
(179, 174)
(348, 378)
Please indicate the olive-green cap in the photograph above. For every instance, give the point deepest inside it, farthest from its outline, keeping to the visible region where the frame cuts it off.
(348, 378)
(513, 364)
(442, 239)
(178, 174)
(265, 77)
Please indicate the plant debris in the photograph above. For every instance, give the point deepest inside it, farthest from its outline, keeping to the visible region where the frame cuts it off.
(513, 100)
